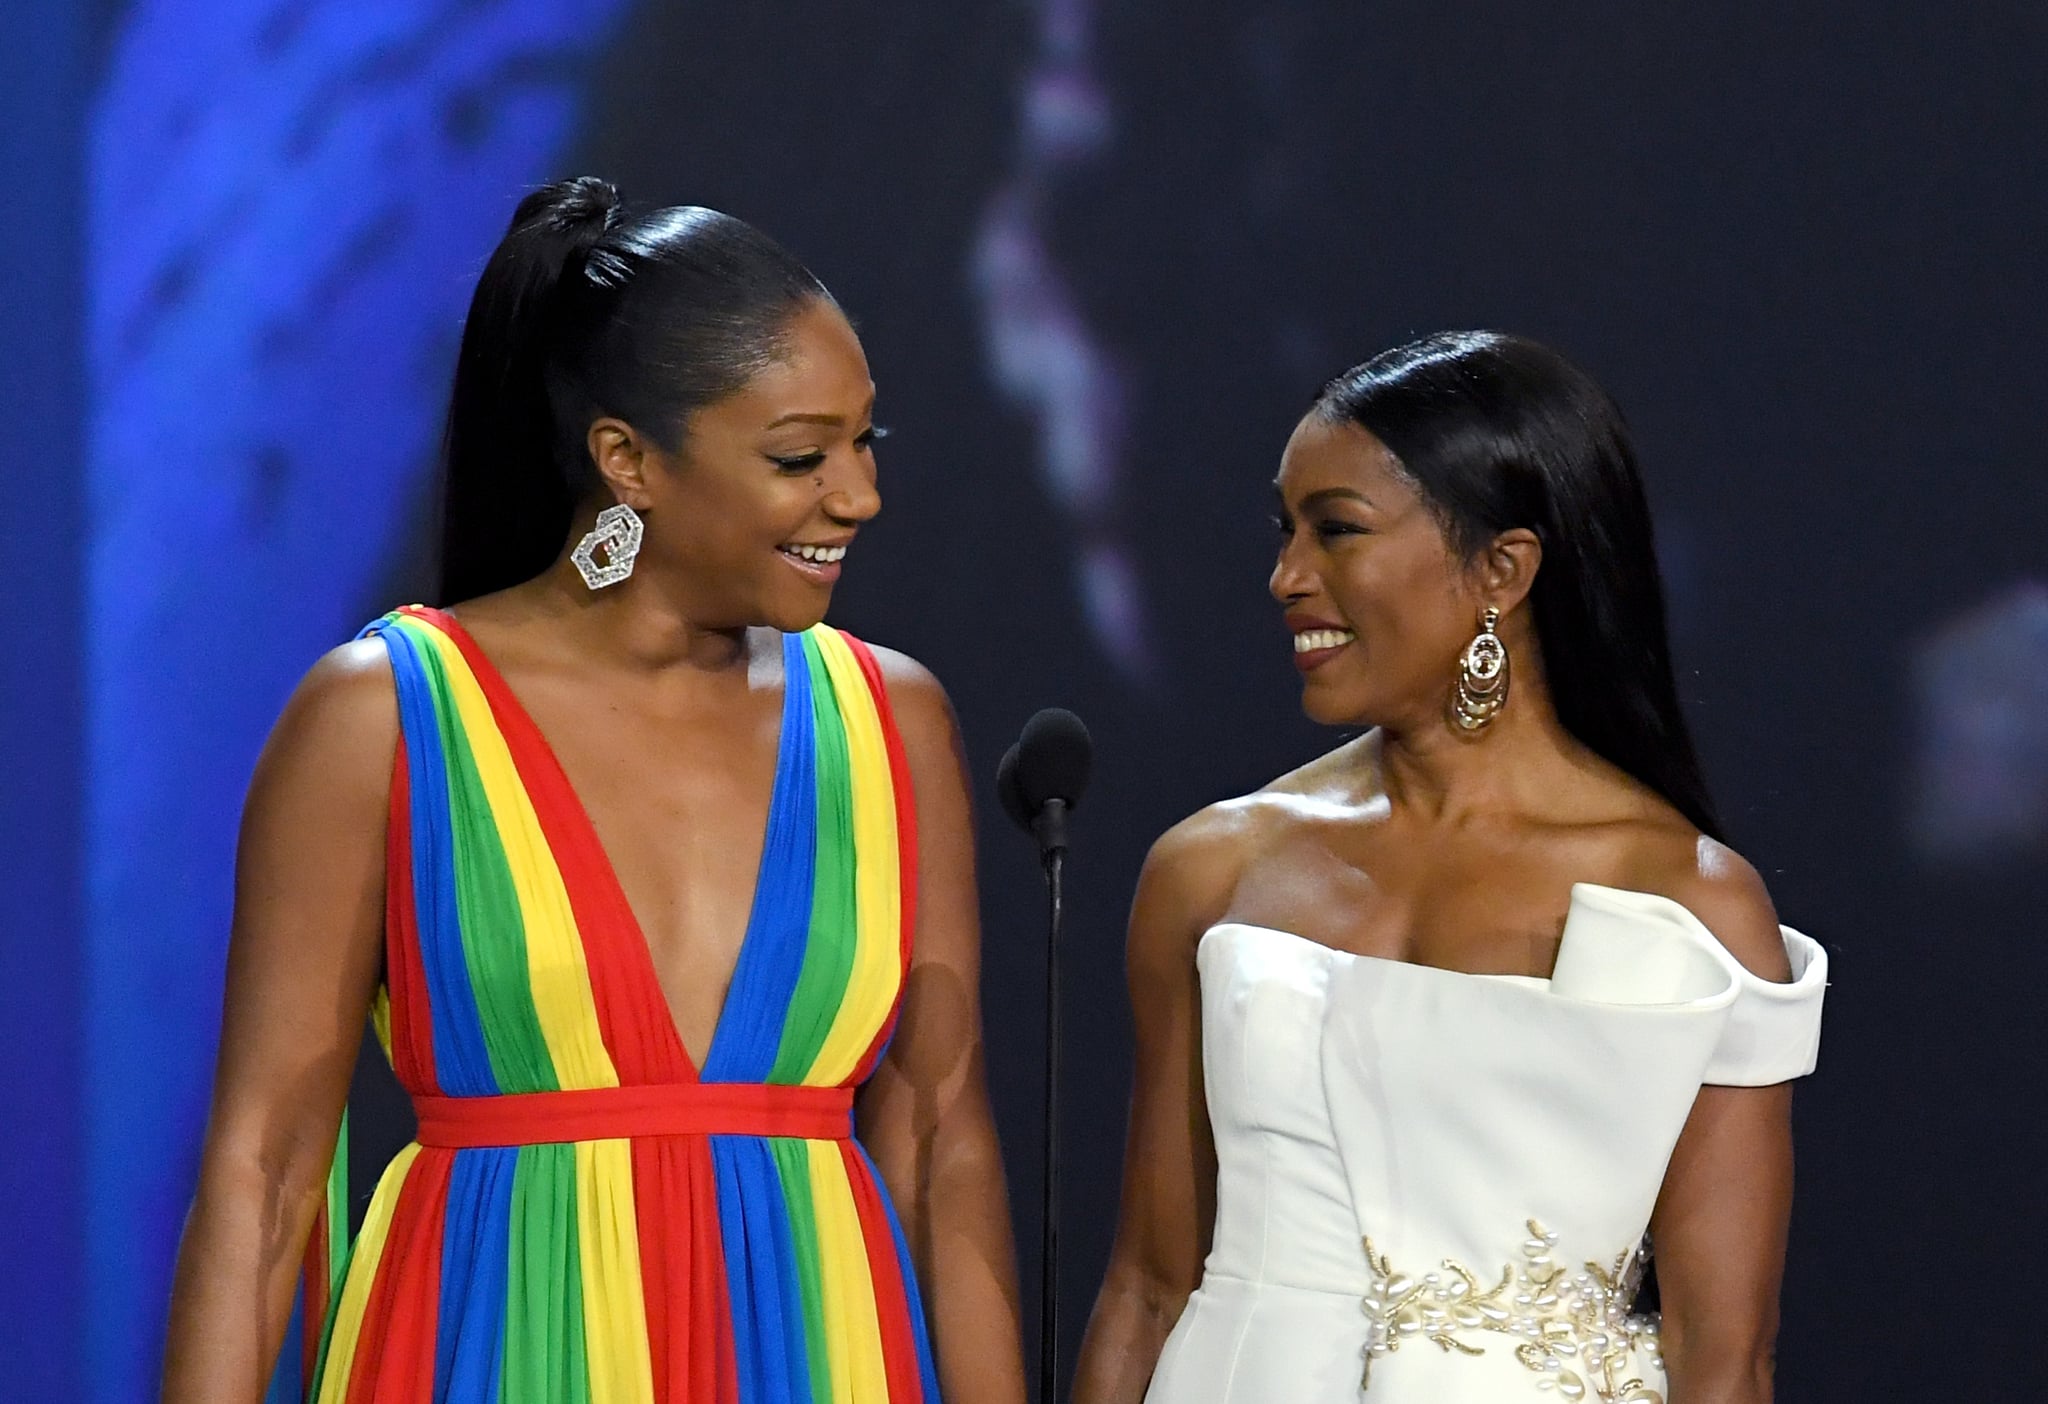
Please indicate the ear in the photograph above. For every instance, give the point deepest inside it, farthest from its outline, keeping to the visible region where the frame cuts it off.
(621, 458)
(1507, 568)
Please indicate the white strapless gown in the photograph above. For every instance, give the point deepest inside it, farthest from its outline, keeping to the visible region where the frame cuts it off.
(1430, 1185)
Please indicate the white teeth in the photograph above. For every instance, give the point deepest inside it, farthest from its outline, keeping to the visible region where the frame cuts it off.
(822, 555)
(1313, 639)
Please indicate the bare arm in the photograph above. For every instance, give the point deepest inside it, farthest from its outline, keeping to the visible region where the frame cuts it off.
(925, 1114)
(1169, 1190)
(1723, 1214)
(303, 959)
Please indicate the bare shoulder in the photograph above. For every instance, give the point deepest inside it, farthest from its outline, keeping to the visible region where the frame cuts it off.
(1193, 870)
(1721, 888)
(328, 760)
(1198, 863)
(913, 688)
(345, 700)
(923, 712)
(1186, 883)
(1208, 848)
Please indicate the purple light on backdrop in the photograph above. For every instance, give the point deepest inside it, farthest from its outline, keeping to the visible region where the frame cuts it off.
(1042, 355)
(1982, 766)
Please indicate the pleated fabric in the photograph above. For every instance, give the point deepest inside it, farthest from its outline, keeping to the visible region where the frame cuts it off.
(586, 1216)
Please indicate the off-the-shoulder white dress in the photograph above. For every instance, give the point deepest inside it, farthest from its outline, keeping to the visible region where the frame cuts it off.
(1431, 1186)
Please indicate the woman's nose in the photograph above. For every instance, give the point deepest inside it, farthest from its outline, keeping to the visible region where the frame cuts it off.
(1289, 582)
(854, 498)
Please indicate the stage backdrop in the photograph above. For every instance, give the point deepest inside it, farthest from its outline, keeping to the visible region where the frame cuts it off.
(1101, 256)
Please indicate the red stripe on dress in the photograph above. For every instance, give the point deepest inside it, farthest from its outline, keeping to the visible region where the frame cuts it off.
(620, 1113)
(394, 1364)
(906, 845)
(313, 1305)
(892, 1303)
(632, 1012)
(405, 971)
(682, 1274)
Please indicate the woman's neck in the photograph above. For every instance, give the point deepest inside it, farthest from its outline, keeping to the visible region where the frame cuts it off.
(1523, 762)
(636, 624)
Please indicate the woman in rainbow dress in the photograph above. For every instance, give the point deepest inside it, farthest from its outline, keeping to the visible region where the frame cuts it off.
(657, 889)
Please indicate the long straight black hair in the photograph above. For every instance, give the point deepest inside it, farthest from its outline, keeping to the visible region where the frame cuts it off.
(1499, 432)
(584, 312)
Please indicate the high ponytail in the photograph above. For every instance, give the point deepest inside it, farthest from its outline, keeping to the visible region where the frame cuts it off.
(581, 313)
(506, 503)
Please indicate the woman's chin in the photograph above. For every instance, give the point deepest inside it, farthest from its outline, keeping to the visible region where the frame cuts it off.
(1329, 698)
(1329, 707)
(796, 616)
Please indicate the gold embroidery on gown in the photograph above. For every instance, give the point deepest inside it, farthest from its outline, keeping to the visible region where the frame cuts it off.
(1575, 1330)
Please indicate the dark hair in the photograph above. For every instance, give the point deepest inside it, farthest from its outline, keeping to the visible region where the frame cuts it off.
(583, 312)
(1500, 432)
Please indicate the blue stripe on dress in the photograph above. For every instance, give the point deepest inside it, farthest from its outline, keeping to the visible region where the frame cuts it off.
(462, 1061)
(476, 1244)
(769, 1342)
(771, 958)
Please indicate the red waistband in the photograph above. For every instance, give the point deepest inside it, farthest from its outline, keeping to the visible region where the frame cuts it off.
(610, 1113)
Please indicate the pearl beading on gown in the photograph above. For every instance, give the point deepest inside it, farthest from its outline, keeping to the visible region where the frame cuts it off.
(1573, 1330)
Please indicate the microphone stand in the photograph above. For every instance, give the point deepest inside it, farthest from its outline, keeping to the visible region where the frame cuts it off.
(1051, 829)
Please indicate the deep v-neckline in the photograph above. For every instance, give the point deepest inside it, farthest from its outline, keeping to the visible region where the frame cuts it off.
(605, 873)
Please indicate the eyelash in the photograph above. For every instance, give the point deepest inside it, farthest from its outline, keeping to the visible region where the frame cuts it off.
(863, 441)
(1324, 529)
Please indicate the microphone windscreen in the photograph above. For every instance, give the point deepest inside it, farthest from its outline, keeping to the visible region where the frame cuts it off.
(1010, 792)
(1053, 759)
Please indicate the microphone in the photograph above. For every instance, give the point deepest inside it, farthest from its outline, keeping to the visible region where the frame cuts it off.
(1044, 774)
(1039, 782)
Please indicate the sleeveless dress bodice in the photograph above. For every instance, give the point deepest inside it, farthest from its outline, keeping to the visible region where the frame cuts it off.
(586, 1215)
(1432, 1186)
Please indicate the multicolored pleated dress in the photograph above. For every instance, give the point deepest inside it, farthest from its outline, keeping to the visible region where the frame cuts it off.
(585, 1216)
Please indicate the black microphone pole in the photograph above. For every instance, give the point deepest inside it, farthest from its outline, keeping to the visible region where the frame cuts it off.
(1039, 783)
(1051, 829)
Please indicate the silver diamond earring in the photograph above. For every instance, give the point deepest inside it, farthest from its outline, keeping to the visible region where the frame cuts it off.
(619, 531)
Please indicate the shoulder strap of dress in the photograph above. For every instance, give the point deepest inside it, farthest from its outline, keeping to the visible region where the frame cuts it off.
(1773, 1029)
(885, 828)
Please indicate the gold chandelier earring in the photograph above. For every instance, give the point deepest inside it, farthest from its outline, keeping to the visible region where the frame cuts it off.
(1482, 677)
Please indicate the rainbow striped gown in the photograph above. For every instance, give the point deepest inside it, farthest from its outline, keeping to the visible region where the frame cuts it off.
(585, 1216)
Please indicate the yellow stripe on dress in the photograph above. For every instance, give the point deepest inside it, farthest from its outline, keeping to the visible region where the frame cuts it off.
(615, 1308)
(877, 960)
(853, 1334)
(380, 1019)
(556, 969)
(615, 1346)
(362, 1276)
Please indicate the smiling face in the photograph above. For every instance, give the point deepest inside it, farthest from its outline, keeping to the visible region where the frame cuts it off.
(1377, 602)
(749, 521)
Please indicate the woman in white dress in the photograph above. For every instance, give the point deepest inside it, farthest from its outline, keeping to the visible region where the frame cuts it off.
(1437, 1033)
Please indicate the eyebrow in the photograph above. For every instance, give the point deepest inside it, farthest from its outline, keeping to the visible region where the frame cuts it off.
(830, 421)
(1321, 495)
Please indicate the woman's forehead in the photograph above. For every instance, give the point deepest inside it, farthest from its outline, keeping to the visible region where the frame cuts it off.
(1323, 454)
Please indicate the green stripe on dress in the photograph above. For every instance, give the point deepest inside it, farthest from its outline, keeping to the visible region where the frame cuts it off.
(338, 1235)
(487, 907)
(544, 1359)
(793, 1165)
